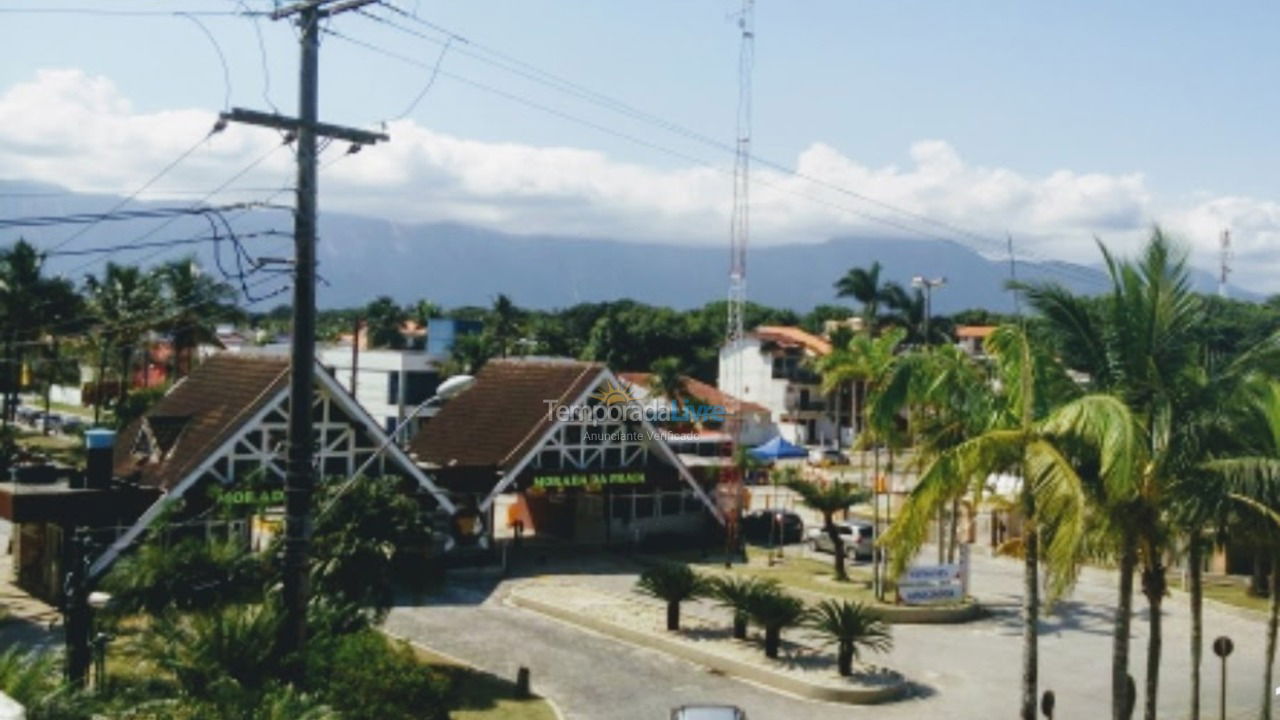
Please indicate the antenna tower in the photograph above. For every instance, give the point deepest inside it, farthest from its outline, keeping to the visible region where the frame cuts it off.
(1224, 250)
(739, 222)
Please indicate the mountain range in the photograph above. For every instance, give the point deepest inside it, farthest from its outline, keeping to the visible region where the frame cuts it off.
(453, 264)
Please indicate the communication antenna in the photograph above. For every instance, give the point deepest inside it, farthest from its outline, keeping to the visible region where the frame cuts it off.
(1224, 262)
(739, 222)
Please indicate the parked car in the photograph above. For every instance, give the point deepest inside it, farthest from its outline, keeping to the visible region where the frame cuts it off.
(858, 538)
(708, 712)
(827, 458)
(787, 526)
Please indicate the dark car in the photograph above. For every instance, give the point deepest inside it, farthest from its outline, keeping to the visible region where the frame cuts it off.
(778, 526)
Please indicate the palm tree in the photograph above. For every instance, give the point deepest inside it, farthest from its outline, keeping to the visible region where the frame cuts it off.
(775, 610)
(829, 499)
(383, 319)
(1140, 342)
(505, 318)
(864, 286)
(666, 379)
(1038, 443)
(672, 583)
(736, 593)
(126, 305)
(192, 304)
(868, 361)
(33, 306)
(849, 625)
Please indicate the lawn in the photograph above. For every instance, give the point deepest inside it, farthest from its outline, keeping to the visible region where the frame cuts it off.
(803, 574)
(481, 696)
(1227, 589)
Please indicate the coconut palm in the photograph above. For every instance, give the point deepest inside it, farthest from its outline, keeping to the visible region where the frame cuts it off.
(666, 378)
(672, 583)
(829, 499)
(192, 304)
(736, 594)
(864, 286)
(850, 626)
(774, 610)
(505, 318)
(1140, 341)
(126, 305)
(1029, 438)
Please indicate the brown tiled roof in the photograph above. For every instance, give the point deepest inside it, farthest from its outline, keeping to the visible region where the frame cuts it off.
(974, 331)
(698, 390)
(497, 421)
(787, 335)
(199, 414)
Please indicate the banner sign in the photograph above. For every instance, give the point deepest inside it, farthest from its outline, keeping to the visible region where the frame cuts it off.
(924, 574)
(588, 479)
(932, 584)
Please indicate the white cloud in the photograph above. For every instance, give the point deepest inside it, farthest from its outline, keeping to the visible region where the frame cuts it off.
(77, 130)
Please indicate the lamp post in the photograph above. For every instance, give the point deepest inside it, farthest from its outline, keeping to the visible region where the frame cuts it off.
(927, 284)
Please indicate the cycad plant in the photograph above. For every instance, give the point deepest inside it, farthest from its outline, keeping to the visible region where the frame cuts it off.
(849, 626)
(672, 583)
(736, 594)
(774, 610)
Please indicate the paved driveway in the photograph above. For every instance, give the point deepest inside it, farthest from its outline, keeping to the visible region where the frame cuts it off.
(966, 672)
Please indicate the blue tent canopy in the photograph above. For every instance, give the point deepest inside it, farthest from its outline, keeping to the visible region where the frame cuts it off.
(776, 449)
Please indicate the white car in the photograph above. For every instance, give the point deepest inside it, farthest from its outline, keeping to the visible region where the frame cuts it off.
(858, 538)
(708, 712)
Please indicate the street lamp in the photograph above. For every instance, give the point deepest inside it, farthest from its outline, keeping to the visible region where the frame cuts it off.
(927, 284)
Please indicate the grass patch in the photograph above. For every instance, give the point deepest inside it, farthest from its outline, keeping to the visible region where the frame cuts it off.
(481, 696)
(798, 573)
(1226, 589)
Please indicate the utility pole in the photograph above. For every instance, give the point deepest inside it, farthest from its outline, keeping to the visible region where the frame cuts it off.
(928, 284)
(300, 476)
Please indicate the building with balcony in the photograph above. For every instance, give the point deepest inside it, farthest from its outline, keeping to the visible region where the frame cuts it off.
(774, 368)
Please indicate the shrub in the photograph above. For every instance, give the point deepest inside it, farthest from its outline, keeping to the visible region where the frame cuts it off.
(191, 574)
(849, 625)
(774, 610)
(736, 593)
(365, 675)
(218, 656)
(673, 583)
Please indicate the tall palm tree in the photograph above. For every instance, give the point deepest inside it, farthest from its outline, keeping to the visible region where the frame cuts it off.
(863, 285)
(667, 379)
(867, 361)
(192, 304)
(849, 626)
(505, 318)
(1139, 341)
(1030, 439)
(33, 306)
(126, 305)
(829, 499)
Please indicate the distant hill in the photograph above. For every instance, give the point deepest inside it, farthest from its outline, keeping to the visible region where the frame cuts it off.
(452, 264)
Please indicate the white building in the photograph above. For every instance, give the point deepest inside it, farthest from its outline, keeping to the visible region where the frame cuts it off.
(389, 384)
(776, 366)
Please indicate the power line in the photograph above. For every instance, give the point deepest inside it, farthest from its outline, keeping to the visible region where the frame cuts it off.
(162, 243)
(107, 12)
(222, 58)
(901, 225)
(533, 73)
(95, 218)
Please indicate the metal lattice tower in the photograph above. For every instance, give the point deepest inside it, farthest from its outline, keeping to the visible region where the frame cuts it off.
(1224, 270)
(739, 222)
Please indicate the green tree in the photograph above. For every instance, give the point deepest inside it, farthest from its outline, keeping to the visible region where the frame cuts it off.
(1030, 439)
(126, 304)
(673, 584)
(863, 285)
(505, 324)
(850, 626)
(667, 379)
(828, 499)
(192, 304)
(775, 610)
(383, 319)
(736, 594)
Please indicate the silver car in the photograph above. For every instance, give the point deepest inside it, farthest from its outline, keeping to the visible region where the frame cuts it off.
(708, 712)
(858, 538)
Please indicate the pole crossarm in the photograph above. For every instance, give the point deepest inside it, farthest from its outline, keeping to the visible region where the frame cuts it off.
(323, 8)
(284, 122)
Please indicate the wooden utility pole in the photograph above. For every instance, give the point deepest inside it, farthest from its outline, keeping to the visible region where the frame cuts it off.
(300, 476)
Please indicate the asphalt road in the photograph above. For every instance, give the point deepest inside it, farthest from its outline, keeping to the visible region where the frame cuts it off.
(964, 672)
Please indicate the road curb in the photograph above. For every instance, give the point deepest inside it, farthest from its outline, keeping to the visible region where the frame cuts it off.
(728, 666)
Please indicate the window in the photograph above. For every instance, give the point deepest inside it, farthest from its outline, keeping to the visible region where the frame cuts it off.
(419, 386)
(621, 509)
(670, 504)
(390, 424)
(393, 388)
(644, 506)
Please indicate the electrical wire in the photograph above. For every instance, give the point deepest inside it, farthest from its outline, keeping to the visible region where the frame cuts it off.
(222, 58)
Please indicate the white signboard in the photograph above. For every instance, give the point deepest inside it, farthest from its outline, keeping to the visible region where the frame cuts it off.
(930, 594)
(930, 574)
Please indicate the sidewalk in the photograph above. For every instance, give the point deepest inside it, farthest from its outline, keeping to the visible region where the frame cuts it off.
(24, 620)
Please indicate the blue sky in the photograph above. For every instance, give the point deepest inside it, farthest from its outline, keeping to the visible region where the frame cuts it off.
(1049, 120)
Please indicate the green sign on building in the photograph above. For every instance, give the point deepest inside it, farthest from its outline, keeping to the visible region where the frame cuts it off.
(588, 479)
